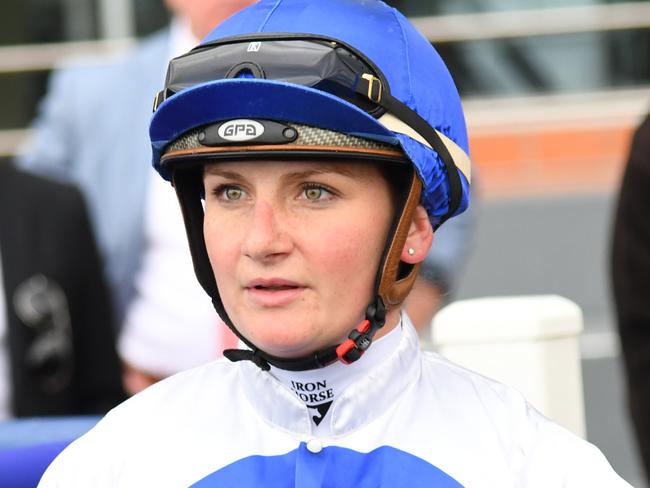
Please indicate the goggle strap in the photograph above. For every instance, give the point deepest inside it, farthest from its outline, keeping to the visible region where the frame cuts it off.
(458, 154)
(423, 128)
(160, 97)
(371, 87)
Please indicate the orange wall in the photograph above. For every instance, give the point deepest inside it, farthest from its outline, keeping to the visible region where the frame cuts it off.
(520, 162)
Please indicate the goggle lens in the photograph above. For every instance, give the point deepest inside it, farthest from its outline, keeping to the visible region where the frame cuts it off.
(321, 64)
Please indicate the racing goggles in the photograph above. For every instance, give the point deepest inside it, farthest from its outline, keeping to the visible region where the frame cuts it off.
(322, 63)
(316, 62)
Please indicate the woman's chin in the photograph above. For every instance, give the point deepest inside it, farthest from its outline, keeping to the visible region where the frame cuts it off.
(290, 340)
(288, 346)
(290, 333)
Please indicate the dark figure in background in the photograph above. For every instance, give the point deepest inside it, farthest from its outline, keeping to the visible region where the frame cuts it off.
(631, 283)
(56, 336)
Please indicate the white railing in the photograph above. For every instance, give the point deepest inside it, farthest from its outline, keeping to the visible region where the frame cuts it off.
(444, 28)
(534, 22)
(116, 19)
(42, 57)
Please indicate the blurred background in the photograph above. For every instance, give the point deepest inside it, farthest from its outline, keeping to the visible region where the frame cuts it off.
(552, 91)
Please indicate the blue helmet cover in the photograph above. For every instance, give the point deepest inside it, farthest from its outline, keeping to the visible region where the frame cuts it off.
(415, 73)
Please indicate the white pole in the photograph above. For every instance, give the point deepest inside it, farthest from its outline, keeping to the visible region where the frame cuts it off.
(527, 342)
(116, 19)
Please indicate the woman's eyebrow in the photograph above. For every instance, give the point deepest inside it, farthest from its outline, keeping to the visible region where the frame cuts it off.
(326, 169)
(216, 171)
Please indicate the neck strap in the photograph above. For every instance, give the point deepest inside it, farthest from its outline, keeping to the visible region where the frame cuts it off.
(347, 352)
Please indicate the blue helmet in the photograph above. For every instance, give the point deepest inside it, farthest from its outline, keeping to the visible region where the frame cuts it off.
(316, 79)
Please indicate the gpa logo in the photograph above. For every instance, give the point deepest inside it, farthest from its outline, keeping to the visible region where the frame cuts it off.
(241, 130)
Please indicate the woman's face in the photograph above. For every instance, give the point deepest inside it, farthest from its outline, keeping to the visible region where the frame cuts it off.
(295, 247)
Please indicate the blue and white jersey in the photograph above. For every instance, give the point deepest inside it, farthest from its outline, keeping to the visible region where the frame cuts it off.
(411, 420)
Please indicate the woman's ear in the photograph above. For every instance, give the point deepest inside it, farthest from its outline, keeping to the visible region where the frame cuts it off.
(419, 239)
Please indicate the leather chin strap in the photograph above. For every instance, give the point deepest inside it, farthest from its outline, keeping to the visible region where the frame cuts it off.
(392, 283)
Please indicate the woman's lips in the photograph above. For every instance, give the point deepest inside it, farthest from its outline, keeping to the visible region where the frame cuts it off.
(273, 292)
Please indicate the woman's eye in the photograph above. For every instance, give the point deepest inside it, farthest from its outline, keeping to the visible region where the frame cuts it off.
(316, 193)
(313, 193)
(232, 193)
(228, 193)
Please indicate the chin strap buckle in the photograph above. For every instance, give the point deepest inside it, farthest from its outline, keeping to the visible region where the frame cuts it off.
(356, 344)
(255, 356)
(361, 337)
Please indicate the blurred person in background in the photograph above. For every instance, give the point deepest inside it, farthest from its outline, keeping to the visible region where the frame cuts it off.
(92, 130)
(57, 344)
(631, 283)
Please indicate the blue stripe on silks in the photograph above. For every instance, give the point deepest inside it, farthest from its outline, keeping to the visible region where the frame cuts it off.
(333, 467)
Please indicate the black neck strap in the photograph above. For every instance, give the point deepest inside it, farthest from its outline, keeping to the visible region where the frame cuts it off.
(348, 351)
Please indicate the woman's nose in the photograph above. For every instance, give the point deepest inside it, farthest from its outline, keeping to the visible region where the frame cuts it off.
(266, 238)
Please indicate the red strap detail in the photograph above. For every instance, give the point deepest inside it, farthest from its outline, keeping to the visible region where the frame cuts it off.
(344, 348)
(347, 345)
(363, 326)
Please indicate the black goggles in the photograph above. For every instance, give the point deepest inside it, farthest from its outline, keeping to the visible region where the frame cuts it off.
(322, 63)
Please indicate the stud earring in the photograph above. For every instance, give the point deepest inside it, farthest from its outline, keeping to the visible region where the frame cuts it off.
(411, 251)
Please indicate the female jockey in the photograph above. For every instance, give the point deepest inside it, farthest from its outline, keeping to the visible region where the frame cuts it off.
(315, 146)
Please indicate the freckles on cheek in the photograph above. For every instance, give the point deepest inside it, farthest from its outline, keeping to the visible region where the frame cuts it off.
(348, 264)
(222, 260)
(219, 254)
(343, 247)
